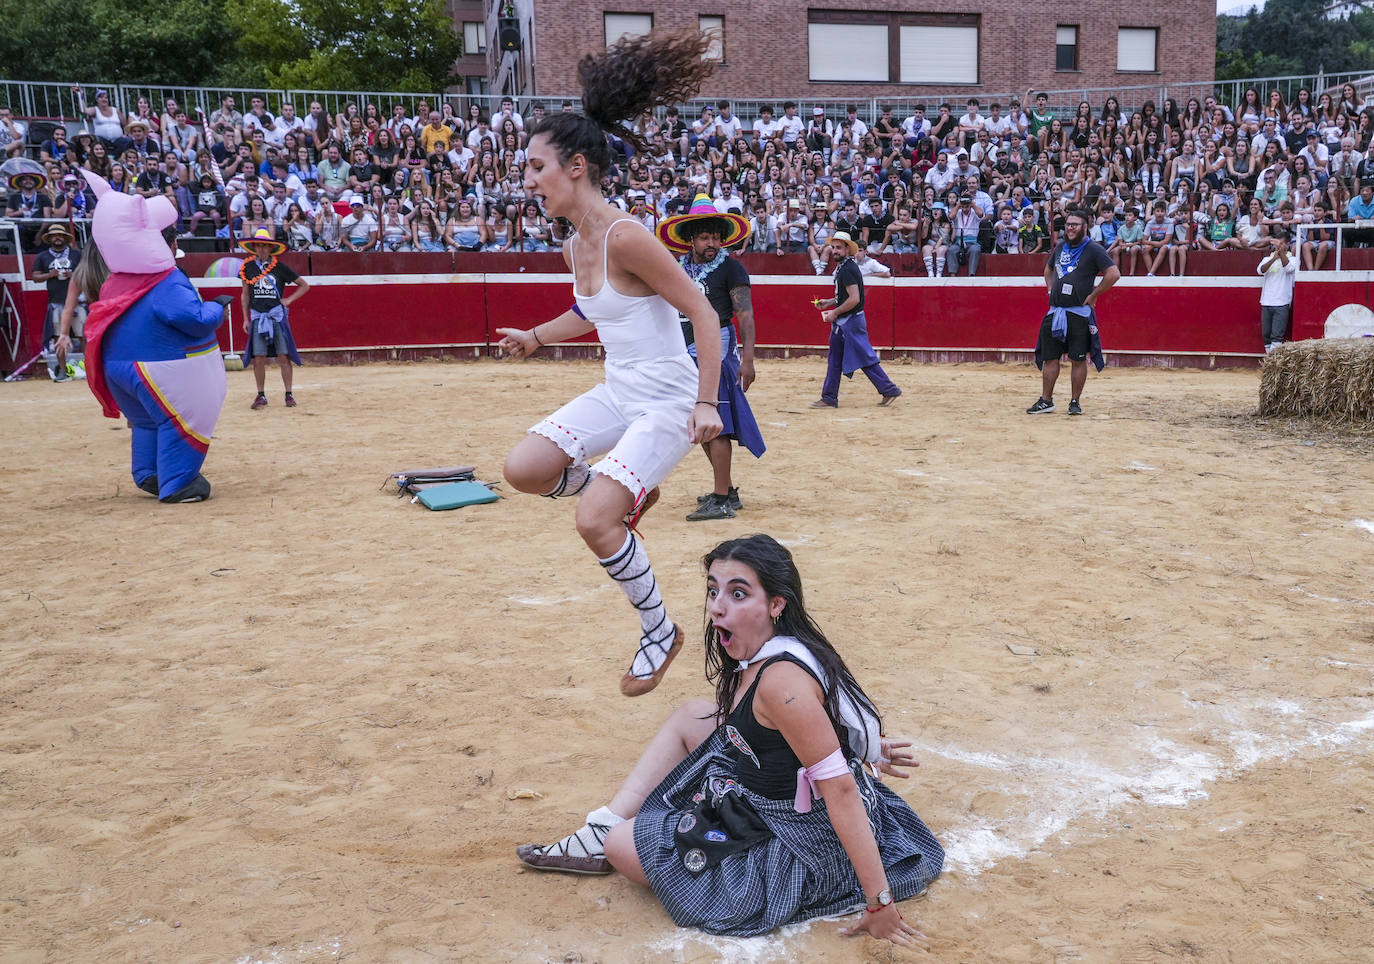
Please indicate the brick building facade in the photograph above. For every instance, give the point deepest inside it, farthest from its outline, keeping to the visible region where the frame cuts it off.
(843, 48)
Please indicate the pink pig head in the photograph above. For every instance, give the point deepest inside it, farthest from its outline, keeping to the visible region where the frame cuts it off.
(128, 229)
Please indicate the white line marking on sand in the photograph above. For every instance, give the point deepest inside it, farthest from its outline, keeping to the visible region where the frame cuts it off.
(1139, 467)
(1364, 524)
(1056, 792)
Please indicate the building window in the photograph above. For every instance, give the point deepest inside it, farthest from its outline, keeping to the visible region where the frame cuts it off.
(848, 51)
(1065, 48)
(475, 85)
(908, 48)
(939, 54)
(713, 27)
(474, 37)
(1136, 49)
(619, 25)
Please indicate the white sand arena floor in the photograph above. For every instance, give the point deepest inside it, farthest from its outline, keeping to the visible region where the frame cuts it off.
(1135, 651)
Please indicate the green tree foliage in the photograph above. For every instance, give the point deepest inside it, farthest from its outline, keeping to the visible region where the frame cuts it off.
(113, 41)
(1292, 37)
(337, 45)
(320, 44)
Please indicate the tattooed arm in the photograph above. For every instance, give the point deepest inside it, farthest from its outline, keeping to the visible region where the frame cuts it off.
(742, 299)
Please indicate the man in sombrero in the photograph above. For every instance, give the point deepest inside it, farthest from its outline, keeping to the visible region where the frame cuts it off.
(264, 302)
(28, 202)
(703, 237)
(54, 267)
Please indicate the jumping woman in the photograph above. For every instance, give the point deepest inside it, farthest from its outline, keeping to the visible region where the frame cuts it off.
(654, 404)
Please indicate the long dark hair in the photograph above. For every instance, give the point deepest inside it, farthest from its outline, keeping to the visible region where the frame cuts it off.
(632, 76)
(777, 574)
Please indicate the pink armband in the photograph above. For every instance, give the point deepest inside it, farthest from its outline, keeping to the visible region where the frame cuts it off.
(807, 777)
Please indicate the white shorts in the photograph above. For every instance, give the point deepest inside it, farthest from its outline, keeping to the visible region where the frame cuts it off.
(636, 418)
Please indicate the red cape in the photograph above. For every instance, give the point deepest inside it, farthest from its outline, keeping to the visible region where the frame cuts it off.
(120, 292)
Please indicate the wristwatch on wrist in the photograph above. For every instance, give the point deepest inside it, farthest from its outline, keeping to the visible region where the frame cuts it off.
(882, 900)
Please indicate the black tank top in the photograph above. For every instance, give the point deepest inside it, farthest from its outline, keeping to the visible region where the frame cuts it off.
(764, 762)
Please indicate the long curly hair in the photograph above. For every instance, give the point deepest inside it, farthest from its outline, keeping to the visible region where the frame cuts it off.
(632, 76)
(778, 575)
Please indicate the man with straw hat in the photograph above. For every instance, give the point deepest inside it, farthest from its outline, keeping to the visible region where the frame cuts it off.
(702, 238)
(264, 311)
(28, 201)
(850, 349)
(55, 265)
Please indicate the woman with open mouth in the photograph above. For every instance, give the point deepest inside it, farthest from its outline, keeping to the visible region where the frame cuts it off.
(766, 807)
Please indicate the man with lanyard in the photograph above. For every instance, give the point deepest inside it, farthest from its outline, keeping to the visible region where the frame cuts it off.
(55, 266)
(850, 349)
(264, 311)
(702, 237)
(1070, 326)
(28, 203)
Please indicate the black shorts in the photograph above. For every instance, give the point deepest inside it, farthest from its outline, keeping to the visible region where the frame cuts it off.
(1075, 343)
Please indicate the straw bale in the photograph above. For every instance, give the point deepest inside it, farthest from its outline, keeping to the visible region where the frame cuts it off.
(1323, 378)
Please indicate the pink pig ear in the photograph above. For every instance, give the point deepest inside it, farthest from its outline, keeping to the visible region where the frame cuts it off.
(97, 183)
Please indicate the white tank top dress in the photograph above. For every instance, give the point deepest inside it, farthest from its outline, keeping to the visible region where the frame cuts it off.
(638, 416)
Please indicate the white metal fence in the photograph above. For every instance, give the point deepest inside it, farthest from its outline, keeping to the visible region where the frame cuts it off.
(58, 101)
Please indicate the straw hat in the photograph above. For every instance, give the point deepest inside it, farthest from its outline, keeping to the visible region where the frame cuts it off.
(670, 229)
(260, 237)
(850, 242)
(52, 229)
(38, 179)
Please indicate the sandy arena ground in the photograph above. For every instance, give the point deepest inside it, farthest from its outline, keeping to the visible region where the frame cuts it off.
(1135, 651)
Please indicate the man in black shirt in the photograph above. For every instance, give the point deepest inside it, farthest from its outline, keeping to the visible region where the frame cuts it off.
(702, 238)
(264, 311)
(1070, 326)
(850, 349)
(55, 266)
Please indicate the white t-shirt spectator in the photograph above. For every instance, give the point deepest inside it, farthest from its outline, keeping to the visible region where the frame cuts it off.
(941, 179)
(858, 127)
(913, 129)
(1317, 155)
(873, 268)
(766, 130)
(460, 157)
(733, 203)
(729, 126)
(1000, 128)
(356, 227)
(1277, 289)
(281, 127)
(514, 115)
(791, 128)
(253, 122)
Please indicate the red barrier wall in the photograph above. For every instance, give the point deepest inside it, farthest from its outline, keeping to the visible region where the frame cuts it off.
(412, 305)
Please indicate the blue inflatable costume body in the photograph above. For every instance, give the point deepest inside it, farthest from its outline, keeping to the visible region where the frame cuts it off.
(151, 349)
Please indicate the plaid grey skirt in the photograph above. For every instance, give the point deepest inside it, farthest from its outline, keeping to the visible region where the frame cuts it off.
(801, 872)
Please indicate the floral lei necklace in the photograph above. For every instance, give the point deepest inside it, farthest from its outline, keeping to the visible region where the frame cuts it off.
(253, 261)
(698, 271)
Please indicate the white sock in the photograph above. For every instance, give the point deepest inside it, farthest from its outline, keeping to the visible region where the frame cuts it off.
(590, 840)
(930, 267)
(630, 568)
(573, 480)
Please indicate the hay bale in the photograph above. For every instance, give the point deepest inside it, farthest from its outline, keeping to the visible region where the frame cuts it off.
(1323, 378)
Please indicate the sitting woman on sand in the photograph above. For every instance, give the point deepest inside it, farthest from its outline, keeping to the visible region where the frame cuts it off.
(717, 817)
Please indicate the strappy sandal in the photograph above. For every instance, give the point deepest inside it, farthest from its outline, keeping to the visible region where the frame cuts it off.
(631, 685)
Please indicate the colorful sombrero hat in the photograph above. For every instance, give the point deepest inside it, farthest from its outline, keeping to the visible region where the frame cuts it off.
(38, 179)
(261, 236)
(670, 229)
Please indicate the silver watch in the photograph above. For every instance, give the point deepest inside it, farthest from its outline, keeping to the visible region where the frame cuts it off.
(883, 899)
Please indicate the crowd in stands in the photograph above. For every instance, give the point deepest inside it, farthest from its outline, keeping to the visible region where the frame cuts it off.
(945, 183)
